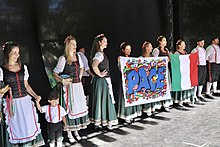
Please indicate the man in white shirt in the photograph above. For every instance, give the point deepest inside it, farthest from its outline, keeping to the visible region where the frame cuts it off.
(201, 69)
(87, 74)
(213, 59)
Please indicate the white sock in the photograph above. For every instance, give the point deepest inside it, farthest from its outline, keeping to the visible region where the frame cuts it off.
(214, 87)
(208, 87)
(69, 134)
(52, 144)
(200, 90)
(59, 144)
(77, 135)
(195, 91)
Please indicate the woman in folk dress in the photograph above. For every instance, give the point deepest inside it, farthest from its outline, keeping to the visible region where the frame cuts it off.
(68, 71)
(20, 116)
(101, 102)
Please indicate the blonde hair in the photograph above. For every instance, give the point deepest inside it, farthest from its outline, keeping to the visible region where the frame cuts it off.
(145, 44)
(67, 48)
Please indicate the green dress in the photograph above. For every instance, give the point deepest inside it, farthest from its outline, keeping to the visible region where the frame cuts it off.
(101, 108)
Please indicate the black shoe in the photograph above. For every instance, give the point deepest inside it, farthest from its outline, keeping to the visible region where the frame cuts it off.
(98, 128)
(216, 94)
(202, 99)
(166, 109)
(186, 104)
(198, 103)
(177, 105)
(209, 96)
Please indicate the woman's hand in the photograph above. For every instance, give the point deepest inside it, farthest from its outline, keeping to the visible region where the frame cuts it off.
(103, 73)
(38, 98)
(67, 81)
(65, 127)
(5, 89)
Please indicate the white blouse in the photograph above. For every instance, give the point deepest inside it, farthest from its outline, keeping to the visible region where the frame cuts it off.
(61, 64)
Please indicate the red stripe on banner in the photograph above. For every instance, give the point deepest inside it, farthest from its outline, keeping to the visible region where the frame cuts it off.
(193, 69)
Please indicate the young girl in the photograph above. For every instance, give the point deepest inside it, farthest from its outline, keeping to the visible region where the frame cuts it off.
(148, 108)
(54, 114)
(101, 102)
(162, 50)
(21, 118)
(126, 113)
(185, 96)
(68, 71)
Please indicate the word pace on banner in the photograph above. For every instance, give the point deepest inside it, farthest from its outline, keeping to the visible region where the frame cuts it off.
(144, 80)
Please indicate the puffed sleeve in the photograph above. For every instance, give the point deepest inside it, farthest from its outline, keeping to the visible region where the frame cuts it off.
(60, 65)
(80, 61)
(1, 79)
(194, 50)
(99, 56)
(156, 52)
(26, 74)
(1, 74)
(177, 52)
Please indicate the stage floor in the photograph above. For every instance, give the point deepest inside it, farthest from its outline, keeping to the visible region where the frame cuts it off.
(191, 126)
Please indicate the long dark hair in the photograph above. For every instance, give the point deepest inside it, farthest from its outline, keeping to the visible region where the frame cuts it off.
(160, 38)
(96, 46)
(178, 43)
(7, 48)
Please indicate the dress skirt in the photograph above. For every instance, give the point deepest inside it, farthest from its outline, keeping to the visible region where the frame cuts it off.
(101, 104)
(185, 96)
(126, 113)
(74, 102)
(20, 123)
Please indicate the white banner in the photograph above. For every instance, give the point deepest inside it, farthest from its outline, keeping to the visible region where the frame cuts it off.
(144, 80)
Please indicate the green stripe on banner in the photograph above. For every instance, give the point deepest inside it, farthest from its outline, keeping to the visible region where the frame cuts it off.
(176, 75)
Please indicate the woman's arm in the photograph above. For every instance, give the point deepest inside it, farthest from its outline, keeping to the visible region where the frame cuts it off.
(81, 73)
(64, 122)
(30, 90)
(95, 68)
(61, 80)
(90, 73)
(38, 104)
(57, 77)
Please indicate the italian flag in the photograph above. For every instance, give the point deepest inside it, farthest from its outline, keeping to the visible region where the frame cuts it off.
(184, 71)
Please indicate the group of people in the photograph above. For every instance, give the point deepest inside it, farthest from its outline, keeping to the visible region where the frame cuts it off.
(70, 108)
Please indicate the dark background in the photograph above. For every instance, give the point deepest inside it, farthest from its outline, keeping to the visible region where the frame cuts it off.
(40, 27)
(196, 19)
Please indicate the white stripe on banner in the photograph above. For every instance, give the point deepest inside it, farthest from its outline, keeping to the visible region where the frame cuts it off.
(185, 72)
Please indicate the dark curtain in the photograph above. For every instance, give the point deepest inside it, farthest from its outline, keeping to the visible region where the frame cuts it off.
(40, 27)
